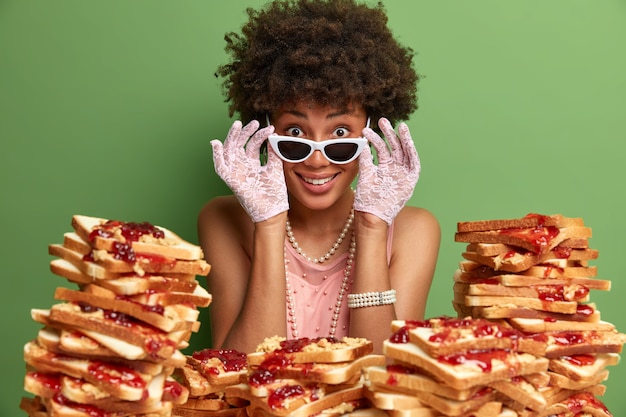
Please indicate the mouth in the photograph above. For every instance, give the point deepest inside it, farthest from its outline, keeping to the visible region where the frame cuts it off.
(318, 181)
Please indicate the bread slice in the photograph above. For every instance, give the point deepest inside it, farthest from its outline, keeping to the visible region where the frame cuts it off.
(220, 366)
(126, 284)
(131, 387)
(564, 382)
(544, 292)
(539, 240)
(144, 237)
(305, 350)
(408, 380)
(516, 261)
(531, 220)
(324, 373)
(584, 312)
(562, 307)
(486, 367)
(168, 318)
(529, 325)
(140, 263)
(568, 343)
(578, 402)
(445, 335)
(152, 341)
(390, 400)
(521, 391)
(519, 280)
(493, 249)
(584, 367)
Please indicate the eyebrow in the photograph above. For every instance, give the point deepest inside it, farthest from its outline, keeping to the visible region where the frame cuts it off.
(328, 116)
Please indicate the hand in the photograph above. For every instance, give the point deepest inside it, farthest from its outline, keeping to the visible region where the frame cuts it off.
(385, 188)
(260, 189)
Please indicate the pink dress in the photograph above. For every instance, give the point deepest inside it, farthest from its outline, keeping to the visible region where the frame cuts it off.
(315, 288)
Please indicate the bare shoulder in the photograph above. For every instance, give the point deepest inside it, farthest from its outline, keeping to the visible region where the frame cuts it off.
(223, 219)
(414, 221)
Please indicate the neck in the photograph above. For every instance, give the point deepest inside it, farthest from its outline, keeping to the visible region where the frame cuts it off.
(315, 221)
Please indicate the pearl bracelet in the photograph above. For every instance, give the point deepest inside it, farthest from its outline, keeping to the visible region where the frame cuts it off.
(371, 299)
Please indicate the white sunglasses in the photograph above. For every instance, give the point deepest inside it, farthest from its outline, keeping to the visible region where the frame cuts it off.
(338, 151)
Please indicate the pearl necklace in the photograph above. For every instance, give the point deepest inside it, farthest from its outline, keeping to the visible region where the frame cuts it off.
(331, 251)
(291, 308)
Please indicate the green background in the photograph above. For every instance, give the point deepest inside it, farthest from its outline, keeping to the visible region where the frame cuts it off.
(107, 109)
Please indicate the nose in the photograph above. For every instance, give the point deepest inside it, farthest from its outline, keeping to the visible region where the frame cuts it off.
(316, 160)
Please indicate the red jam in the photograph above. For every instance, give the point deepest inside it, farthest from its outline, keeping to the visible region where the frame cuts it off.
(232, 360)
(539, 237)
(116, 374)
(277, 398)
(481, 358)
(172, 390)
(578, 401)
(89, 410)
(584, 310)
(48, 380)
(132, 231)
(568, 338)
(580, 360)
(261, 377)
(400, 336)
(159, 309)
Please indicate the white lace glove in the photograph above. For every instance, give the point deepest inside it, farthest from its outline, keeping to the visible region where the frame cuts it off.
(385, 188)
(260, 189)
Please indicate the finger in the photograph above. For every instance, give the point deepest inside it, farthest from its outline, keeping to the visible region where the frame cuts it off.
(379, 144)
(366, 160)
(392, 137)
(218, 155)
(408, 147)
(253, 148)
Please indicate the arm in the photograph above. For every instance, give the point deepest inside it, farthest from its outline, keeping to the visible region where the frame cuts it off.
(247, 279)
(415, 248)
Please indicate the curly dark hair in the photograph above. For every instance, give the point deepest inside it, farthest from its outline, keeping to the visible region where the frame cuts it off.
(329, 52)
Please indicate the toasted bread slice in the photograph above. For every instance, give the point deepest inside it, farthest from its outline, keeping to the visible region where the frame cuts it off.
(562, 307)
(500, 363)
(220, 366)
(539, 240)
(408, 380)
(564, 382)
(515, 261)
(545, 292)
(144, 237)
(305, 350)
(568, 343)
(578, 402)
(456, 335)
(531, 220)
(140, 263)
(584, 367)
(391, 400)
(519, 280)
(522, 391)
(126, 284)
(131, 387)
(528, 325)
(152, 341)
(325, 373)
(168, 318)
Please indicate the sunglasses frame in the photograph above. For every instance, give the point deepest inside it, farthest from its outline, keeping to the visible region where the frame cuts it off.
(317, 146)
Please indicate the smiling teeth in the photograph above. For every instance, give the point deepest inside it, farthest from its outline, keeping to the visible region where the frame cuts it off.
(318, 181)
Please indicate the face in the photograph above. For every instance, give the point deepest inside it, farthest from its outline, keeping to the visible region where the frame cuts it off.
(317, 182)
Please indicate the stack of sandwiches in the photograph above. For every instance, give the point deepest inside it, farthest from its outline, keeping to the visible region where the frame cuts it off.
(458, 367)
(110, 345)
(207, 375)
(533, 275)
(305, 377)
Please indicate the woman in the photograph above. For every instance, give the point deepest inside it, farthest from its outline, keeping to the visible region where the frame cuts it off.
(297, 252)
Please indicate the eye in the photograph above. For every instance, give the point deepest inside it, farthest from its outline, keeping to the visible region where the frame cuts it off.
(341, 132)
(294, 131)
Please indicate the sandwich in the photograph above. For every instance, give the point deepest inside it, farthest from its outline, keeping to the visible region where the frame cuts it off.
(110, 345)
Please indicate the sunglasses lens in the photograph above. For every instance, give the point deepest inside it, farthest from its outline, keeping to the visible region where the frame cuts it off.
(293, 151)
(341, 152)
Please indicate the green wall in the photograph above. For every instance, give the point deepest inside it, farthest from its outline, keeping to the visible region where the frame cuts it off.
(107, 109)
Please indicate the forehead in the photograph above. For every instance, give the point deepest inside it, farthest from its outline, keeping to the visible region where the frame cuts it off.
(312, 111)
